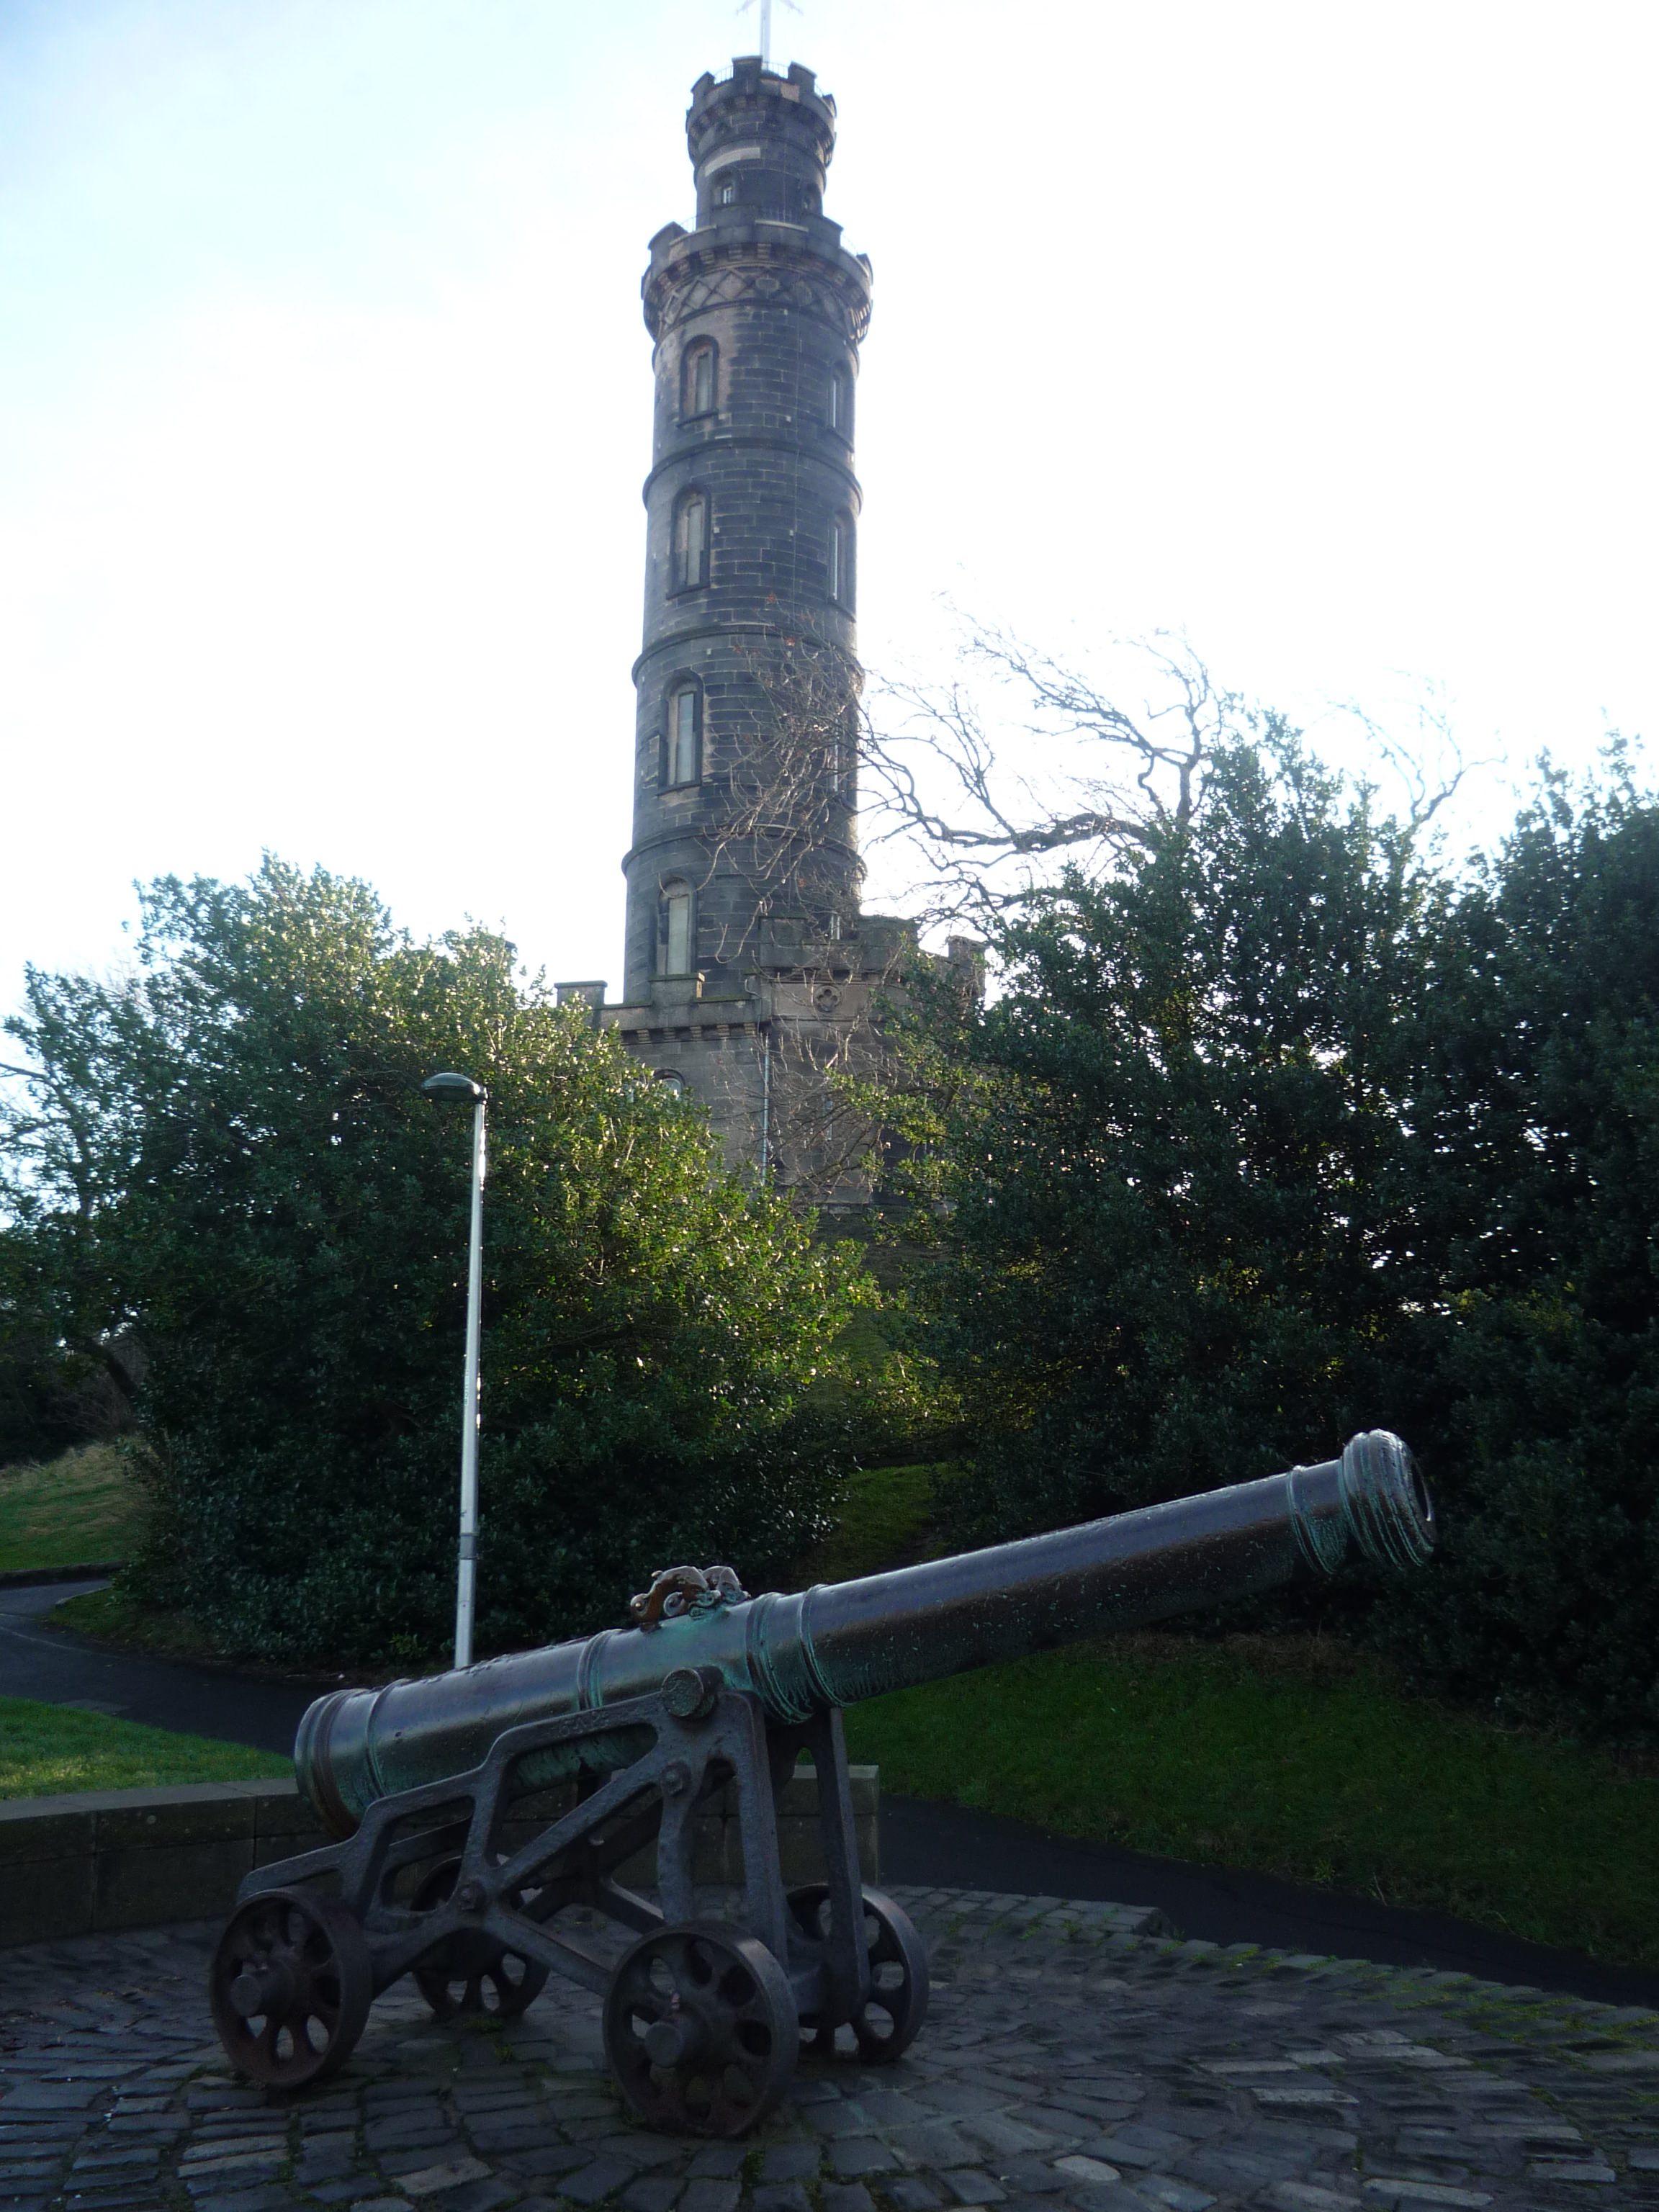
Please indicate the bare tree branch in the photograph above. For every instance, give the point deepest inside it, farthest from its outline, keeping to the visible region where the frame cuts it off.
(981, 806)
(1073, 774)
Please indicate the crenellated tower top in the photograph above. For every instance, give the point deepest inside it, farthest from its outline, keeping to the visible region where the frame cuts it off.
(761, 146)
(760, 142)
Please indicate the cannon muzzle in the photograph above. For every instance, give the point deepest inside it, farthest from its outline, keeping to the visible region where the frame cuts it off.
(836, 1643)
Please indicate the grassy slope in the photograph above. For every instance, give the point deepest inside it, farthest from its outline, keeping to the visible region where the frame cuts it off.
(69, 1512)
(885, 1515)
(1279, 1753)
(112, 1617)
(48, 1750)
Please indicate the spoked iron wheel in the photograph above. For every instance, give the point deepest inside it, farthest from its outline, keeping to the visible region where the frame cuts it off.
(700, 2025)
(290, 1987)
(470, 1972)
(898, 2003)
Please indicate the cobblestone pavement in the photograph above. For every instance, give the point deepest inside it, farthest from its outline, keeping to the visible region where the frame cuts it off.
(1069, 2064)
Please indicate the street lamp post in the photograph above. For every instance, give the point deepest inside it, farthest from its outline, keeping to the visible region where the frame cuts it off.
(461, 1088)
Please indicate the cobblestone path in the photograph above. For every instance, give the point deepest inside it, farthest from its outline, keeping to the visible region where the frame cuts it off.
(1069, 2062)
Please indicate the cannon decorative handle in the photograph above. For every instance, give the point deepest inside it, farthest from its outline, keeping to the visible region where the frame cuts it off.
(709, 1687)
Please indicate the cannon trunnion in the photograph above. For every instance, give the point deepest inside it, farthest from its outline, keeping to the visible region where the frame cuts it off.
(704, 2019)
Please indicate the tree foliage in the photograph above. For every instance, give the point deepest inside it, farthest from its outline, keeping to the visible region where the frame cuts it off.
(1278, 1129)
(226, 1151)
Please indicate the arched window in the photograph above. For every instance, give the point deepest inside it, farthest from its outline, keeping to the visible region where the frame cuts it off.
(683, 753)
(690, 542)
(671, 1081)
(839, 410)
(674, 938)
(698, 392)
(841, 560)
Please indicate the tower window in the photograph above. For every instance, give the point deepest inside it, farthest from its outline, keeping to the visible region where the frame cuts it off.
(674, 941)
(839, 408)
(691, 542)
(698, 398)
(726, 192)
(683, 764)
(841, 561)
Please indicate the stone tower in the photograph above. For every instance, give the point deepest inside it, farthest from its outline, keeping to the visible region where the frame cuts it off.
(748, 965)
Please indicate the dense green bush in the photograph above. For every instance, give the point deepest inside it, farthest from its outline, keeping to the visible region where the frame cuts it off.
(227, 1152)
(1547, 1388)
(1280, 1130)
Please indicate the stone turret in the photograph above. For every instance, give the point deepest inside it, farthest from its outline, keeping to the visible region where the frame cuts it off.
(747, 965)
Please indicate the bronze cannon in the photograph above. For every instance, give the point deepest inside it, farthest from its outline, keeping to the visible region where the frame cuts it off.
(705, 1689)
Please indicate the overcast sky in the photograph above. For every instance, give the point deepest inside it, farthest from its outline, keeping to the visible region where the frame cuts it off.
(1322, 333)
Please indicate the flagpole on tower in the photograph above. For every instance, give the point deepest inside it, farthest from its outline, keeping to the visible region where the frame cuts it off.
(765, 7)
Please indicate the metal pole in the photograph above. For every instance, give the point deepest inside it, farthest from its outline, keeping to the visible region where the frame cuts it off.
(766, 1102)
(467, 1565)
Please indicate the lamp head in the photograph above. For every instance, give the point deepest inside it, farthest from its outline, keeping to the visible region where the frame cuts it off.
(459, 1089)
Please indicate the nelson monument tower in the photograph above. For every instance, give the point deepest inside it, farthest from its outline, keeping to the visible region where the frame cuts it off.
(749, 968)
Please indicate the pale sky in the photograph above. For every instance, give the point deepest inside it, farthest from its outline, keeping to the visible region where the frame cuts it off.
(1322, 333)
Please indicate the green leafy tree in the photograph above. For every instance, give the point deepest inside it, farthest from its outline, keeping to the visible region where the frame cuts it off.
(1278, 1129)
(1170, 1155)
(1547, 1387)
(226, 1151)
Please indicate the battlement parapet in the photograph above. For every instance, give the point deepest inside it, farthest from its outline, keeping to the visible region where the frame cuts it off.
(788, 264)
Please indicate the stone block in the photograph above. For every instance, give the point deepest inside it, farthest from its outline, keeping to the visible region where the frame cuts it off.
(789, 2163)
(197, 1813)
(145, 1888)
(852, 2155)
(652, 2192)
(282, 1821)
(41, 1899)
(706, 2194)
(973, 2187)
(32, 1829)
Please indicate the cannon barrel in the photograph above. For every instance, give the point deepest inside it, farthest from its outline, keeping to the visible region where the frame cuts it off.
(839, 1642)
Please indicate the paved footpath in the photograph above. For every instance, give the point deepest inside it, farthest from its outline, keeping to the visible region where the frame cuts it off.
(1069, 2064)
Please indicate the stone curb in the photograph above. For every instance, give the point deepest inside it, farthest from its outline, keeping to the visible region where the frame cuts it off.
(35, 1578)
(106, 1860)
(1143, 1929)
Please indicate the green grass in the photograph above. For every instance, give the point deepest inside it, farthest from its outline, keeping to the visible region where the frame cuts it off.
(885, 1515)
(46, 1751)
(69, 1511)
(1283, 1755)
(113, 1617)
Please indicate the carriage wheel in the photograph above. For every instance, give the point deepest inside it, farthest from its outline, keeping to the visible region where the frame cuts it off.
(701, 2028)
(898, 2003)
(290, 1987)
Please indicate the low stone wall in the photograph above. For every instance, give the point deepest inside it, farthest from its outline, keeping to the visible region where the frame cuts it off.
(140, 1858)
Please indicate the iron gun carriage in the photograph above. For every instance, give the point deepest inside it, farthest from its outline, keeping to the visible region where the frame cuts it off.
(706, 1688)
